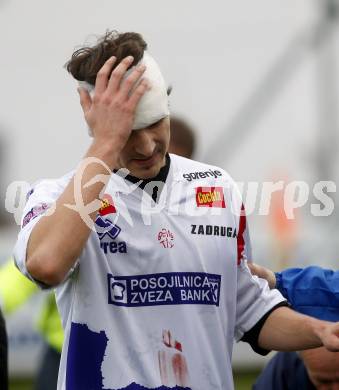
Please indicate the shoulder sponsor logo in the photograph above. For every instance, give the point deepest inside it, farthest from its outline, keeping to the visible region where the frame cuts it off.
(210, 197)
(107, 229)
(107, 205)
(214, 230)
(34, 212)
(29, 193)
(201, 175)
(173, 288)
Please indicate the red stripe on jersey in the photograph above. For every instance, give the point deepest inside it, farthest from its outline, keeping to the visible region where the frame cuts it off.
(240, 238)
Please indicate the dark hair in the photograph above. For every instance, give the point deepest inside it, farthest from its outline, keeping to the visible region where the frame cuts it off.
(87, 61)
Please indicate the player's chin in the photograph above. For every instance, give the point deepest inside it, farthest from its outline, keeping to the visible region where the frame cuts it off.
(146, 169)
(146, 172)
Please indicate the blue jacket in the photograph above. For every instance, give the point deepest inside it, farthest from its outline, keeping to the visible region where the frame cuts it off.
(312, 290)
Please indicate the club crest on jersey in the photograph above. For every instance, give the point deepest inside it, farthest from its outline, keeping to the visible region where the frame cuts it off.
(210, 197)
(107, 205)
(166, 238)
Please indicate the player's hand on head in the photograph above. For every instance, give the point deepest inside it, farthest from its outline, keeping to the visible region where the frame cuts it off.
(111, 110)
(263, 273)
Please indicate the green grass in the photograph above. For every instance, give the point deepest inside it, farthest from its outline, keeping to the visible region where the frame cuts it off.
(242, 381)
(20, 384)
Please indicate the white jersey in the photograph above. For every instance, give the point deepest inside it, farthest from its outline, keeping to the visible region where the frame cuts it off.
(161, 290)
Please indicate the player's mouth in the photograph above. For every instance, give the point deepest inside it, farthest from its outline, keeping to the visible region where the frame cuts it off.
(146, 162)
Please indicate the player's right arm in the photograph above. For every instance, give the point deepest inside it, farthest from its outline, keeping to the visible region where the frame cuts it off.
(56, 241)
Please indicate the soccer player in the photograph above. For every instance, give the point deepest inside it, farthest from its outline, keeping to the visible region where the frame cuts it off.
(151, 281)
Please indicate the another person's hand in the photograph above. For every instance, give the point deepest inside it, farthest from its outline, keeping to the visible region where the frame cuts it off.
(263, 273)
(111, 110)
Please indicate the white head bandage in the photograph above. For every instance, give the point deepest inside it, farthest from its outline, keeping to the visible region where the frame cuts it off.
(154, 104)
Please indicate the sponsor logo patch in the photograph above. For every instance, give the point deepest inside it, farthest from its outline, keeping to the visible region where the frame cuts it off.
(173, 288)
(107, 205)
(29, 193)
(210, 197)
(34, 212)
(105, 228)
(166, 238)
(201, 175)
(214, 230)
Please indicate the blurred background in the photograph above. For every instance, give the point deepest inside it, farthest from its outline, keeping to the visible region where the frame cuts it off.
(258, 81)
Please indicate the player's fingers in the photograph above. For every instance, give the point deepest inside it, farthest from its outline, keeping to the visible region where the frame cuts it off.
(130, 81)
(103, 76)
(118, 74)
(85, 99)
(138, 93)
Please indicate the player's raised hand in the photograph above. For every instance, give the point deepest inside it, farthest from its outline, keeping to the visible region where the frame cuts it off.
(110, 112)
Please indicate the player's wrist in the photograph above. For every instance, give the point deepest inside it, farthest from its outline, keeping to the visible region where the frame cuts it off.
(319, 329)
(105, 150)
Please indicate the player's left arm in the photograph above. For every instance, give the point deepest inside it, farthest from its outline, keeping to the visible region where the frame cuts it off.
(287, 330)
(261, 317)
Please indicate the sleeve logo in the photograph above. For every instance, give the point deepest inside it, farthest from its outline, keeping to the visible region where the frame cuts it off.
(33, 213)
(107, 205)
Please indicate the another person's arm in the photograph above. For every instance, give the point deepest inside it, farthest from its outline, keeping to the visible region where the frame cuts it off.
(312, 290)
(262, 321)
(267, 326)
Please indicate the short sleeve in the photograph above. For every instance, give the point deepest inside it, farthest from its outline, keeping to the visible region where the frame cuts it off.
(40, 199)
(254, 297)
(254, 300)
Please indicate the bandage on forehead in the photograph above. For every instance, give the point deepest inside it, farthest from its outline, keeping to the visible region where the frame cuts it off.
(154, 105)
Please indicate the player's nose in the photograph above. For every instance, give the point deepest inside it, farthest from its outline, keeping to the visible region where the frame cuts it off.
(144, 143)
